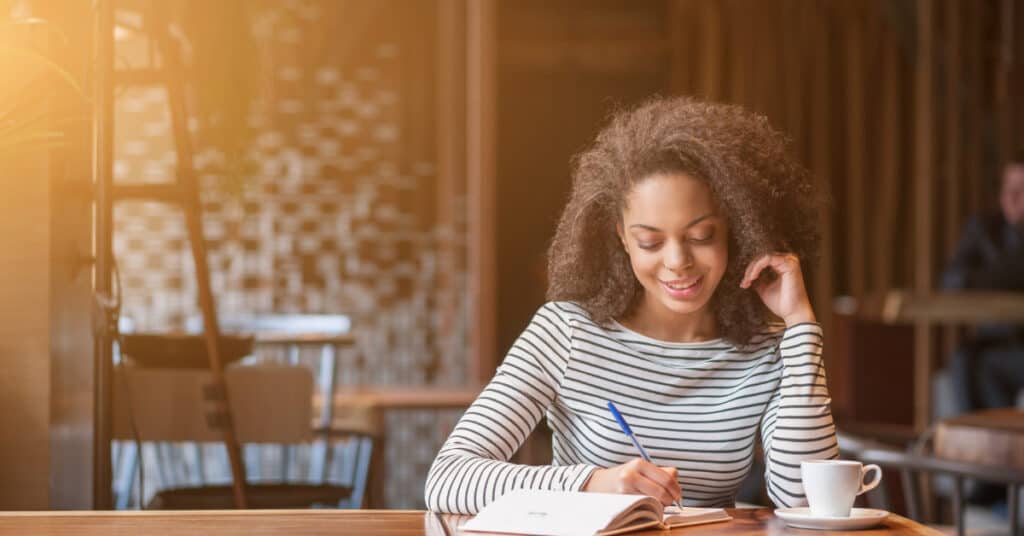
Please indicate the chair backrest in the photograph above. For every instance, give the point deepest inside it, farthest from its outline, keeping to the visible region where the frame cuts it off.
(917, 460)
(269, 403)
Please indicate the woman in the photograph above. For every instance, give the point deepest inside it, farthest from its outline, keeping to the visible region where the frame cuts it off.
(677, 293)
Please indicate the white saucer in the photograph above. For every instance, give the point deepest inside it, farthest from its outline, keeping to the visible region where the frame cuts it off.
(860, 518)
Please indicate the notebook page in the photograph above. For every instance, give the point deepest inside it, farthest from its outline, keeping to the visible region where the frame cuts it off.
(551, 513)
(675, 517)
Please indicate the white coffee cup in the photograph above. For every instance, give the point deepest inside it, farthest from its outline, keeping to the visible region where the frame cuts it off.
(832, 485)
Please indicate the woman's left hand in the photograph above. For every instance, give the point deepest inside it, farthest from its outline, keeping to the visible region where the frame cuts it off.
(785, 295)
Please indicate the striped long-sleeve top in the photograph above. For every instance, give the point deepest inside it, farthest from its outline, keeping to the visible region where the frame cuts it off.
(694, 406)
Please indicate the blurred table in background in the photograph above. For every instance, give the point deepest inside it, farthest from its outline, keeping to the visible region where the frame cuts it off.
(990, 437)
(884, 329)
(355, 404)
(957, 308)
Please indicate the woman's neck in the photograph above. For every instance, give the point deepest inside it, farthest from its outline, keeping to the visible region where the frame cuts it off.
(665, 325)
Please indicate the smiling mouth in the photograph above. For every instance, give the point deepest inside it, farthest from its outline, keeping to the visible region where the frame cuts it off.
(683, 291)
(679, 286)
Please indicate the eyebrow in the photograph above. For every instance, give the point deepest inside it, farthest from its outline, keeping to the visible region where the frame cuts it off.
(688, 225)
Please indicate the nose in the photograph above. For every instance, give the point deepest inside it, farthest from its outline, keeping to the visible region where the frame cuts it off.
(678, 257)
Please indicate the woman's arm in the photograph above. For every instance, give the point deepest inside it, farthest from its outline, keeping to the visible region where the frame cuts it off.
(472, 468)
(798, 423)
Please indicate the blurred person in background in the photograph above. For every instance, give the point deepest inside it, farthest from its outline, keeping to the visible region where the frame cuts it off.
(988, 368)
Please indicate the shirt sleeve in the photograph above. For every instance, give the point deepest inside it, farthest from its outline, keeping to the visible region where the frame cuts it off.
(472, 467)
(798, 423)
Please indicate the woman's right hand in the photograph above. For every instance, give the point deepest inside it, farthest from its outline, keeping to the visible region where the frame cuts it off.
(637, 477)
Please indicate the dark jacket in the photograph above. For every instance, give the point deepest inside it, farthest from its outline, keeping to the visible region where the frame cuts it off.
(989, 256)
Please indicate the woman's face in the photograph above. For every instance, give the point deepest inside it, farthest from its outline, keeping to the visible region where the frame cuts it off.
(677, 242)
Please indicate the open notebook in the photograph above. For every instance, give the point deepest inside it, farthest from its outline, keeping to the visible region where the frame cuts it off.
(568, 513)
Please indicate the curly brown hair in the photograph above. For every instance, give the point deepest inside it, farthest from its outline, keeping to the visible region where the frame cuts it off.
(766, 197)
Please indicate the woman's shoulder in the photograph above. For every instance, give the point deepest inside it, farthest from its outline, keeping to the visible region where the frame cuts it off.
(769, 336)
(566, 312)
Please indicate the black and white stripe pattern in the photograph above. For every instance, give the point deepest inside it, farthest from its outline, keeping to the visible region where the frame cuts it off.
(695, 406)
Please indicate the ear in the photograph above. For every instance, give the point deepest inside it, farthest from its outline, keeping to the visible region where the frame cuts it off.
(622, 235)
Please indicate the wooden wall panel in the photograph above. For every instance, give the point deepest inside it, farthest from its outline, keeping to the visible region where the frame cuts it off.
(973, 152)
(481, 147)
(856, 150)
(924, 178)
(46, 367)
(451, 150)
(889, 138)
(25, 334)
(952, 165)
(711, 51)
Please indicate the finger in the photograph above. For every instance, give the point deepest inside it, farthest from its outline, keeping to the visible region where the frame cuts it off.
(663, 477)
(784, 262)
(646, 486)
(629, 475)
(754, 270)
(677, 489)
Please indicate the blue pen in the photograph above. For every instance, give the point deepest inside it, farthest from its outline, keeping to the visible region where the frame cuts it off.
(632, 437)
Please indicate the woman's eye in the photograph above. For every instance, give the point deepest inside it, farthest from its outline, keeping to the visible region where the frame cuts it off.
(647, 245)
(703, 239)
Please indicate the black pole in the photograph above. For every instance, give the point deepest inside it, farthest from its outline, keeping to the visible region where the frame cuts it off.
(102, 178)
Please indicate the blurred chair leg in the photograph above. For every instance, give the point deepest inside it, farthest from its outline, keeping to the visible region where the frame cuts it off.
(127, 466)
(326, 460)
(363, 457)
(161, 464)
(1013, 507)
(958, 504)
(879, 499)
(328, 371)
(200, 463)
(909, 479)
(287, 451)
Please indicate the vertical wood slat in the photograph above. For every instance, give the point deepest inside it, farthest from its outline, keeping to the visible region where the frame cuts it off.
(1004, 66)
(889, 140)
(711, 63)
(972, 152)
(102, 178)
(793, 83)
(856, 151)
(923, 177)
(451, 145)
(953, 164)
(821, 140)
(768, 61)
(737, 35)
(681, 36)
(758, 88)
(481, 172)
(953, 142)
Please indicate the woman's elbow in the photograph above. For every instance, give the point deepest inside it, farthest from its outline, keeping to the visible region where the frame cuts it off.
(434, 488)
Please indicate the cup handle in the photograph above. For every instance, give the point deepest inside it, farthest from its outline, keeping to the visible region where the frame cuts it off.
(874, 482)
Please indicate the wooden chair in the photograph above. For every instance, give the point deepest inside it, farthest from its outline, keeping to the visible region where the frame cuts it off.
(917, 461)
(270, 404)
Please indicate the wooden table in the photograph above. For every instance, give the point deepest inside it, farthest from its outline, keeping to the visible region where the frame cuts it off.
(964, 307)
(402, 398)
(990, 437)
(363, 408)
(354, 522)
(925, 310)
